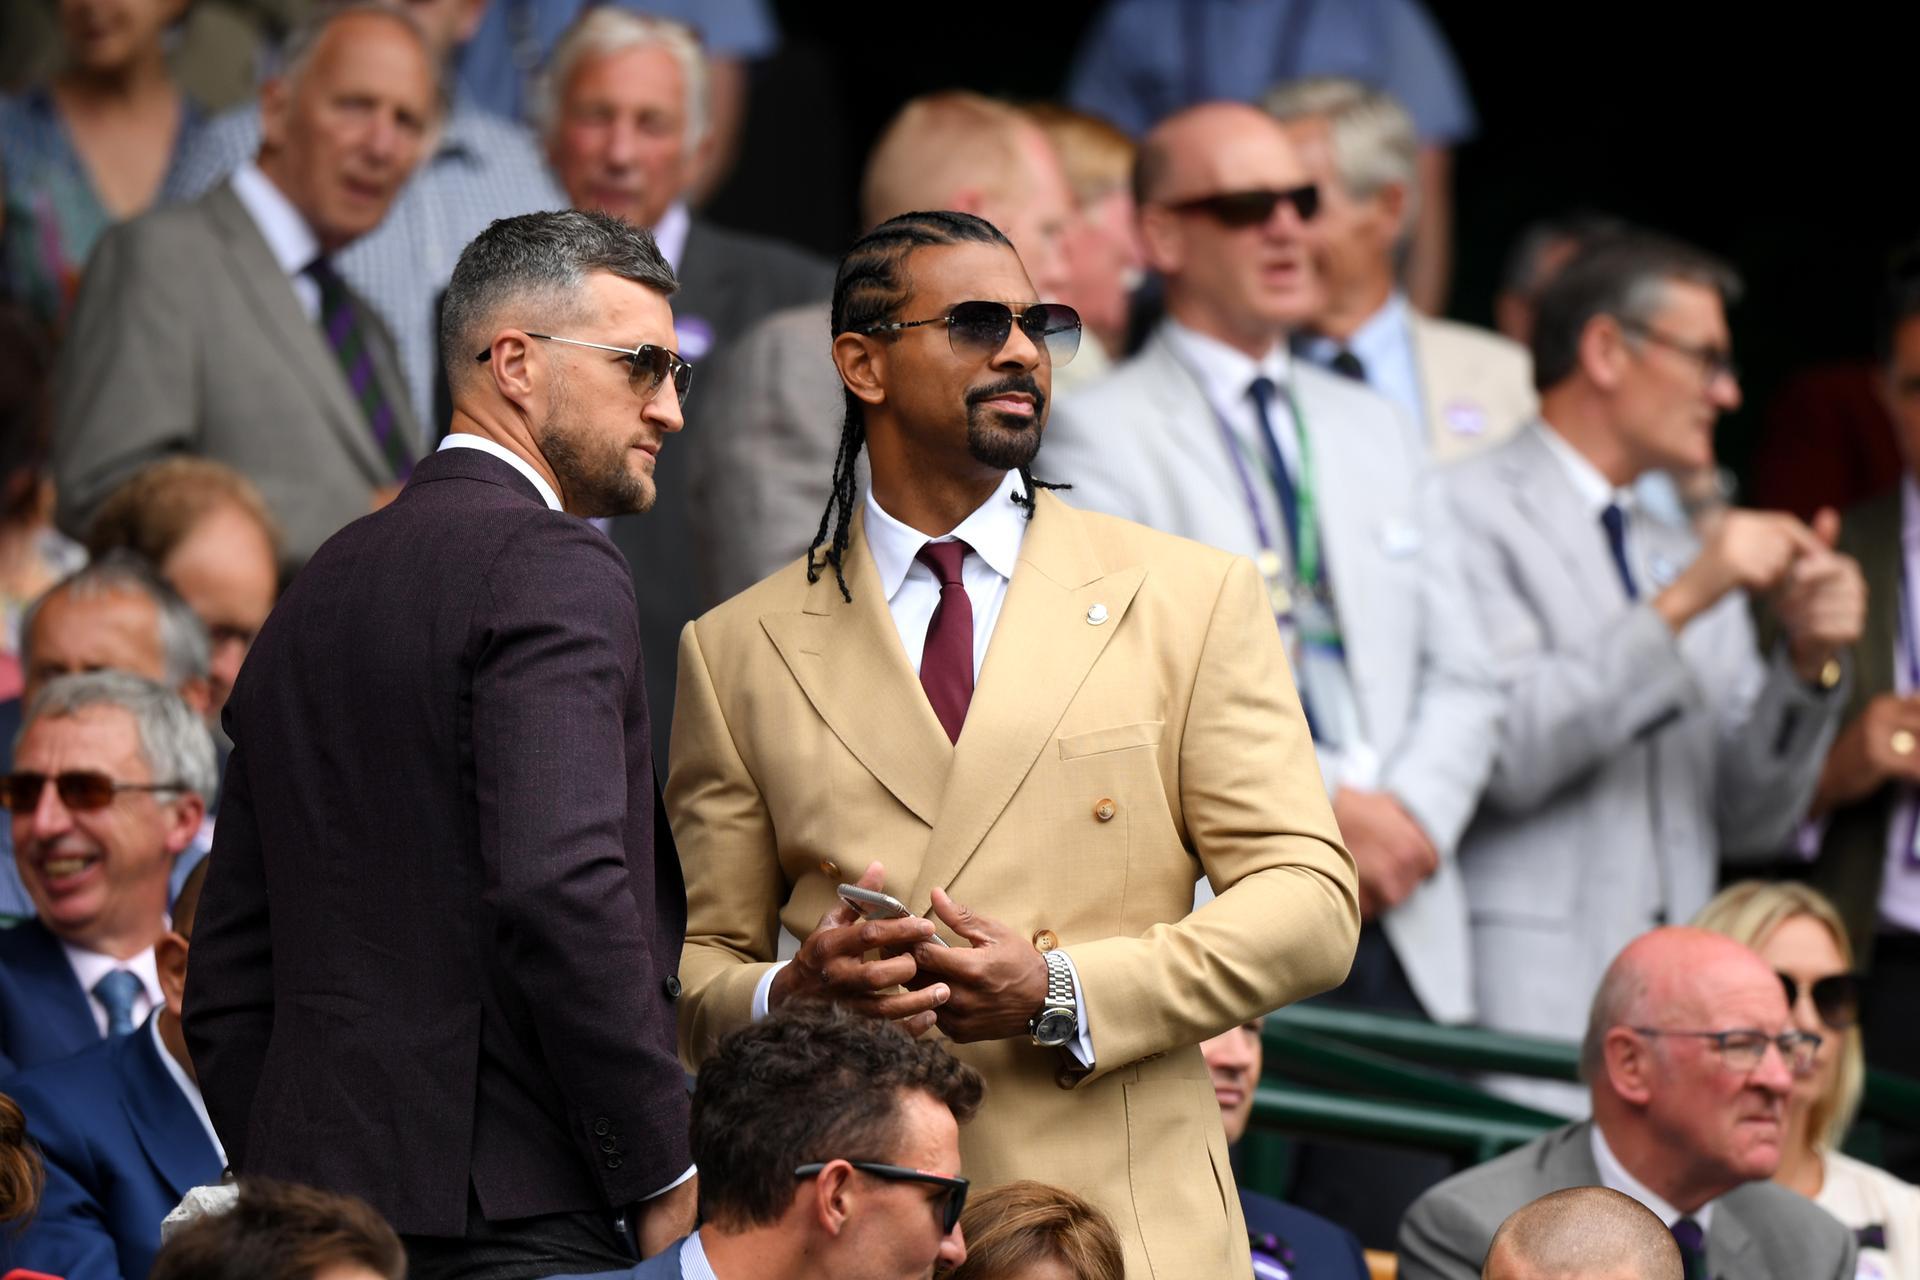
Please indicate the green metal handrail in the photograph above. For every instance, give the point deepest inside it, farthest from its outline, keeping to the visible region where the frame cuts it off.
(1304, 1057)
(1306, 1112)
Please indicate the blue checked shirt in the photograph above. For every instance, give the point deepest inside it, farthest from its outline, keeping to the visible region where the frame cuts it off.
(483, 168)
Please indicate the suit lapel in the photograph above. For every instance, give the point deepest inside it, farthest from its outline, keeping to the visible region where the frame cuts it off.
(1728, 1243)
(1542, 490)
(848, 660)
(43, 964)
(161, 1116)
(1192, 433)
(1043, 646)
(259, 276)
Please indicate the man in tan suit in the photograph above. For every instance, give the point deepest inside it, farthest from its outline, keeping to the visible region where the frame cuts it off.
(1133, 728)
(1463, 388)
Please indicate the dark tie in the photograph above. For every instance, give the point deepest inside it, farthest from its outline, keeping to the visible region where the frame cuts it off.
(1615, 521)
(1261, 391)
(350, 336)
(116, 993)
(1348, 365)
(946, 663)
(1693, 1248)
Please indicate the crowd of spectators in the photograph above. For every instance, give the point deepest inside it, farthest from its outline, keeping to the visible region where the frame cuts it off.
(1588, 748)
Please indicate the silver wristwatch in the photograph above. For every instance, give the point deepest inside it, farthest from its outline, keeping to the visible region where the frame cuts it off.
(1057, 1023)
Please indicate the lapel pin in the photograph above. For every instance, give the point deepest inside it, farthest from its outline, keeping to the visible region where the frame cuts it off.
(1097, 614)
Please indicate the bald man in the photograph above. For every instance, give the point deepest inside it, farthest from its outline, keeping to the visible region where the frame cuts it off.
(1689, 1057)
(758, 487)
(1583, 1233)
(1214, 432)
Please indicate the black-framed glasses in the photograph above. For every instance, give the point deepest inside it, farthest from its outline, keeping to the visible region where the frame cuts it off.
(1744, 1050)
(1239, 209)
(79, 789)
(955, 1188)
(1715, 362)
(979, 329)
(1836, 997)
(649, 366)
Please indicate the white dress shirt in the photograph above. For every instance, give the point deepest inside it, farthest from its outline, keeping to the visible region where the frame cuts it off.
(1597, 494)
(693, 1260)
(670, 234)
(90, 966)
(1384, 347)
(288, 237)
(1614, 1176)
(994, 530)
(187, 1087)
(1225, 373)
(466, 440)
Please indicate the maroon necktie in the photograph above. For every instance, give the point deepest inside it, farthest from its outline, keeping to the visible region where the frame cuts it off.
(946, 663)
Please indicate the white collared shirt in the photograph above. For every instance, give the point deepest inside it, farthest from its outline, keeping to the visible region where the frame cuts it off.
(187, 1086)
(670, 233)
(1225, 374)
(693, 1260)
(1614, 1176)
(1597, 494)
(91, 966)
(995, 531)
(288, 237)
(1384, 347)
(467, 440)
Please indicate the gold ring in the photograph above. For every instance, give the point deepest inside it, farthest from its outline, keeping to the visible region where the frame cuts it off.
(1902, 742)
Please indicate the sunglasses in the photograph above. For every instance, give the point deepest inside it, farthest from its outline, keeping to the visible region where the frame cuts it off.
(1836, 998)
(79, 790)
(979, 329)
(649, 366)
(1240, 209)
(956, 1188)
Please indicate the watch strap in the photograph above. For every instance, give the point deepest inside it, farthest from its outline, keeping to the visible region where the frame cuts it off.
(1059, 981)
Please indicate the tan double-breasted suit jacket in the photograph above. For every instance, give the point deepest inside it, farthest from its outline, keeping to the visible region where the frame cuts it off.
(1134, 727)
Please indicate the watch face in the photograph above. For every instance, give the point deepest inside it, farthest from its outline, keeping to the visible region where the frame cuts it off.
(1054, 1027)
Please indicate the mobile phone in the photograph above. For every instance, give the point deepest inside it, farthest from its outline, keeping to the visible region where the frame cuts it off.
(874, 905)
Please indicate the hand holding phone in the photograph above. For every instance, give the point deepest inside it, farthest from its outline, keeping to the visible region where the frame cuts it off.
(874, 905)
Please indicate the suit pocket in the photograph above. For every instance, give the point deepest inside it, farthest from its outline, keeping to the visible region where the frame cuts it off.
(1118, 738)
(1176, 1152)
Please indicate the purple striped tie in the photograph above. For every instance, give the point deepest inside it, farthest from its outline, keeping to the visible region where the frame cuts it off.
(350, 338)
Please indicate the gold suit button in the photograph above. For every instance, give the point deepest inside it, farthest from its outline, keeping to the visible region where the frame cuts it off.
(1045, 940)
(829, 868)
(1105, 809)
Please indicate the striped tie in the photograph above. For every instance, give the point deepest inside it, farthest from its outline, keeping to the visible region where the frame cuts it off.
(348, 334)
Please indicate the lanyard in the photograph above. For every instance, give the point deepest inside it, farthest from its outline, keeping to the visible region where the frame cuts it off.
(1304, 537)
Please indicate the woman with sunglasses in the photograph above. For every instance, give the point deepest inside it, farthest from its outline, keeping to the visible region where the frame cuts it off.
(1799, 933)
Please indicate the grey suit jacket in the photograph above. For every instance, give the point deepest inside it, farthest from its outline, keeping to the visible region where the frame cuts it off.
(188, 338)
(1143, 444)
(728, 282)
(1629, 761)
(1759, 1231)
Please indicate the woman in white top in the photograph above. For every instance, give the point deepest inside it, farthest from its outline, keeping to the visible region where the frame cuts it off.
(1798, 932)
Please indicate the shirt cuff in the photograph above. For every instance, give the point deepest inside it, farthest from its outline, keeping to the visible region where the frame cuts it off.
(762, 987)
(691, 1170)
(1082, 1047)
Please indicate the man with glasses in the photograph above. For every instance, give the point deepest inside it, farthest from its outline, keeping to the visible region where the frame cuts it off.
(828, 1146)
(1040, 724)
(1647, 734)
(108, 785)
(440, 844)
(1689, 1056)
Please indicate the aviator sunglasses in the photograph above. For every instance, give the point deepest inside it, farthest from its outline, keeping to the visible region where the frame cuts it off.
(1836, 998)
(79, 790)
(1252, 208)
(979, 329)
(649, 366)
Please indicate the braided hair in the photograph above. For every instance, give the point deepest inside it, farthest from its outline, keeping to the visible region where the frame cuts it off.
(871, 283)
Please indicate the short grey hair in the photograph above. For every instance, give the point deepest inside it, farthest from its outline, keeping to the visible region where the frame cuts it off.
(539, 262)
(605, 30)
(1627, 277)
(1375, 144)
(173, 740)
(184, 646)
(296, 51)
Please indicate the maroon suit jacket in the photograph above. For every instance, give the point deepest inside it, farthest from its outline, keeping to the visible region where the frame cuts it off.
(443, 913)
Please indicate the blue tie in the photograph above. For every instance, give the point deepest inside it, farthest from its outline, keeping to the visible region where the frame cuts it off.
(117, 992)
(1262, 392)
(1616, 522)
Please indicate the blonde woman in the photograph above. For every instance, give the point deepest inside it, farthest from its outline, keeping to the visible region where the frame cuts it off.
(1031, 1231)
(1799, 933)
